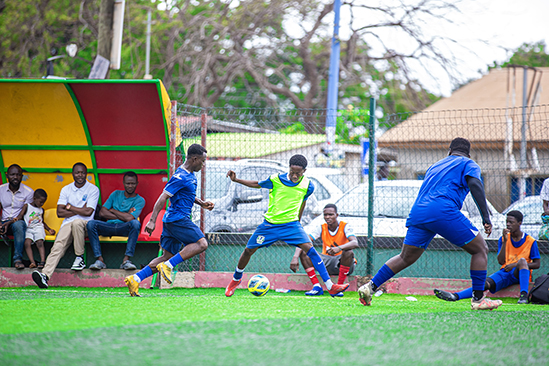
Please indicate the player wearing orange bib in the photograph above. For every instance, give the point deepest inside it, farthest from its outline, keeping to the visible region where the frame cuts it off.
(338, 242)
(518, 255)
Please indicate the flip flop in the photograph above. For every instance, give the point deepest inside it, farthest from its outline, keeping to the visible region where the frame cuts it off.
(19, 265)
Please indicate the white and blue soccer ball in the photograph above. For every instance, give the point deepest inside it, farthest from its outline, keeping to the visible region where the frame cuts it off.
(259, 285)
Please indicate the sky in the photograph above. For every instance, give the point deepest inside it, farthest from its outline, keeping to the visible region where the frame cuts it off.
(502, 24)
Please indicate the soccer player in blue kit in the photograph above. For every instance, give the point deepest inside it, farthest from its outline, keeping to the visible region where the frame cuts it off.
(437, 211)
(178, 227)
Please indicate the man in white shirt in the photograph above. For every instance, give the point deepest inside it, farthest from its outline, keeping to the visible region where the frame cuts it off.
(544, 195)
(76, 204)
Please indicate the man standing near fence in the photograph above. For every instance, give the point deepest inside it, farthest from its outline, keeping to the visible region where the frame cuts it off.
(287, 198)
(178, 227)
(437, 211)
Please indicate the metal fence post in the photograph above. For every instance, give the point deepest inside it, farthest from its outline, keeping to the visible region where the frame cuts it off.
(371, 172)
(203, 133)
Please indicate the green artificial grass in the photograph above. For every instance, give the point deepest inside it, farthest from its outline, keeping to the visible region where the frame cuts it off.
(67, 326)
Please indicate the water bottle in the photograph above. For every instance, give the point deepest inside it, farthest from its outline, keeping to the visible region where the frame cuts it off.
(283, 290)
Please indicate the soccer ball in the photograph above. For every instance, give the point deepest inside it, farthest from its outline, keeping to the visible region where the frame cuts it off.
(259, 285)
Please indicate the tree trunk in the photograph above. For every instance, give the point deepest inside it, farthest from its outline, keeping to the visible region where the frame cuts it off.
(104, 42)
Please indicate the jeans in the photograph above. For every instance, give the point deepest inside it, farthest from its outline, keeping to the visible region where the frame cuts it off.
(17, 229)
(130, 229)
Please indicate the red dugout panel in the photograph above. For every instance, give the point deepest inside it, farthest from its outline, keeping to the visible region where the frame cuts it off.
(131, 159)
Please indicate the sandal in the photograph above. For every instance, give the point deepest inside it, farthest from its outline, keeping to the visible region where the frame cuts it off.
(32, 265)
(41, 265)
(19, 265)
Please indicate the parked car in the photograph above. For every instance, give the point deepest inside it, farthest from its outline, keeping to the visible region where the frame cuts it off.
(531, 208)
(239, 208)
(329, 185)
(393, 200)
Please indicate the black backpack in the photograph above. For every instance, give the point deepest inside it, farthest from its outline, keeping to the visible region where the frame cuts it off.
(539, 294)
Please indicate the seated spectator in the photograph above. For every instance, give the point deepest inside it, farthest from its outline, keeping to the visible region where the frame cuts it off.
(32, 213)
(76, 205)
(14, 195)
(518, 255)
(121, 210)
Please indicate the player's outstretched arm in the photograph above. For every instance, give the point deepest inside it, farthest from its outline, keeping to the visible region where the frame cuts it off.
(247, 183)
(204, 204)
(158, 206)
(477, 191)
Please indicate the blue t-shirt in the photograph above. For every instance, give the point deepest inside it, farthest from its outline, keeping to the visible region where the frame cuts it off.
(287, 182)
(182, 191)
(442, 193)
(534, 251)
(120, 202)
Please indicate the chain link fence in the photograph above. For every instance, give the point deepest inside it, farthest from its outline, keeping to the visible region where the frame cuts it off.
(510, 145)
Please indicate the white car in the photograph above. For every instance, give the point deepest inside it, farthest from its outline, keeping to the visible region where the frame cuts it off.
(329, 185)
(531, 208)
(393, 200)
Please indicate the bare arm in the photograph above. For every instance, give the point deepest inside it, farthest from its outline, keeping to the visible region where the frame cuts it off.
(301, 209)
(158, 206)
(294, 263)
(247, 183)
(535, 264)
(546, 207)
(352, 244)
(501, 254)
(124, 216)
(22, 213)
(62, 212)
(204, 204)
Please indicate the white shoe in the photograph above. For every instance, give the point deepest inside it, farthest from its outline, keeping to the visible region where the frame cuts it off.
(78, 264)
(365, 293)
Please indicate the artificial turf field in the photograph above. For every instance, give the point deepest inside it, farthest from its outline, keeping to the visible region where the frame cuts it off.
(84, 326)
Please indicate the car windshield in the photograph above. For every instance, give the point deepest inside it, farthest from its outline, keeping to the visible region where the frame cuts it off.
(339, 180)
(389, 201)
(217, 183)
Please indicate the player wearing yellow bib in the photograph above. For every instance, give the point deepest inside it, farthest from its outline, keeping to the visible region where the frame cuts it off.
(288, 194)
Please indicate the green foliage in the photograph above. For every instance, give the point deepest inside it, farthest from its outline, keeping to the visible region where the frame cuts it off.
(528, 54)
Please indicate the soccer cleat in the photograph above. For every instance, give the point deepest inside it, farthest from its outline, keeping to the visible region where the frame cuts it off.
(78, 264)
(133, 286)
(365, 293)
(40, 279)
(316, 291)
(485, 304)
(337, 288)
(98, 265)
(229, 291)
(445, 295)
(523, 299)
(340, 294)
(165, 271)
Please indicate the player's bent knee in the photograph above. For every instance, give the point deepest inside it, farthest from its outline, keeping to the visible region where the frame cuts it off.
(522, 264)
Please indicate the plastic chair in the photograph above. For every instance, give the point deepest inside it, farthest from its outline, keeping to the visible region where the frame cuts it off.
(155, 236)
(54, 222)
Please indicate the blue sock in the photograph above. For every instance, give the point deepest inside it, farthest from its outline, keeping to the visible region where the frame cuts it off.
(382, 276)
(524, 280)
(465, 294)
(318, 264)
(144, 273)
(479, 280)
(175, 260)
(238, 274)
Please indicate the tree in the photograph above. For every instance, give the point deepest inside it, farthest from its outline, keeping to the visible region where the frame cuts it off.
(528, 54)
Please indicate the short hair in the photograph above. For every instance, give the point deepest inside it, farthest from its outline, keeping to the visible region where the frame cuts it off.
(130, 174)
(15, 166)
(298, 160)
(460, 144)
(40, 193)
(331, 205)
(79, 164)
(196, 149)
(516, 214)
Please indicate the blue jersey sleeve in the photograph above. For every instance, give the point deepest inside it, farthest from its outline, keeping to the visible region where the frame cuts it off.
(108, 204)
(267, 183)
(310, 190)
(472, 170)
(139, 204)
(175, 183)
(534, 251)
(500, 243)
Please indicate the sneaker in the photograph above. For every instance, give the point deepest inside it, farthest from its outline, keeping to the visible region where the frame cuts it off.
(229, 291)
(365, 293)
(445, 295)
(133, 286)
(485, 304)
(127, 265)
(316, 291)
(523, 299)
(165, 271)
(40, 279)
(337, 288)
(78, 264)
(339, 294)
(98, 265)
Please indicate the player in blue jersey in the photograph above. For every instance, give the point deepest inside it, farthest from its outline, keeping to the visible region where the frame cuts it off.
(437, 211)
(288, 194)
(177, 225)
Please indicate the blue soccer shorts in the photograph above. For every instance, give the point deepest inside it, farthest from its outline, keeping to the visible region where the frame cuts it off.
(503, 279)
(266, 234)
(179, 232)
(458, 231)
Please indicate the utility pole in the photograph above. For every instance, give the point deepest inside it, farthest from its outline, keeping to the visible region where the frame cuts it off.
(104, 42)
(148, 54)
(333, 83)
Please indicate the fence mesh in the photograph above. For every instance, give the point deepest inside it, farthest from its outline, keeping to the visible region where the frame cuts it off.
(510, 145)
